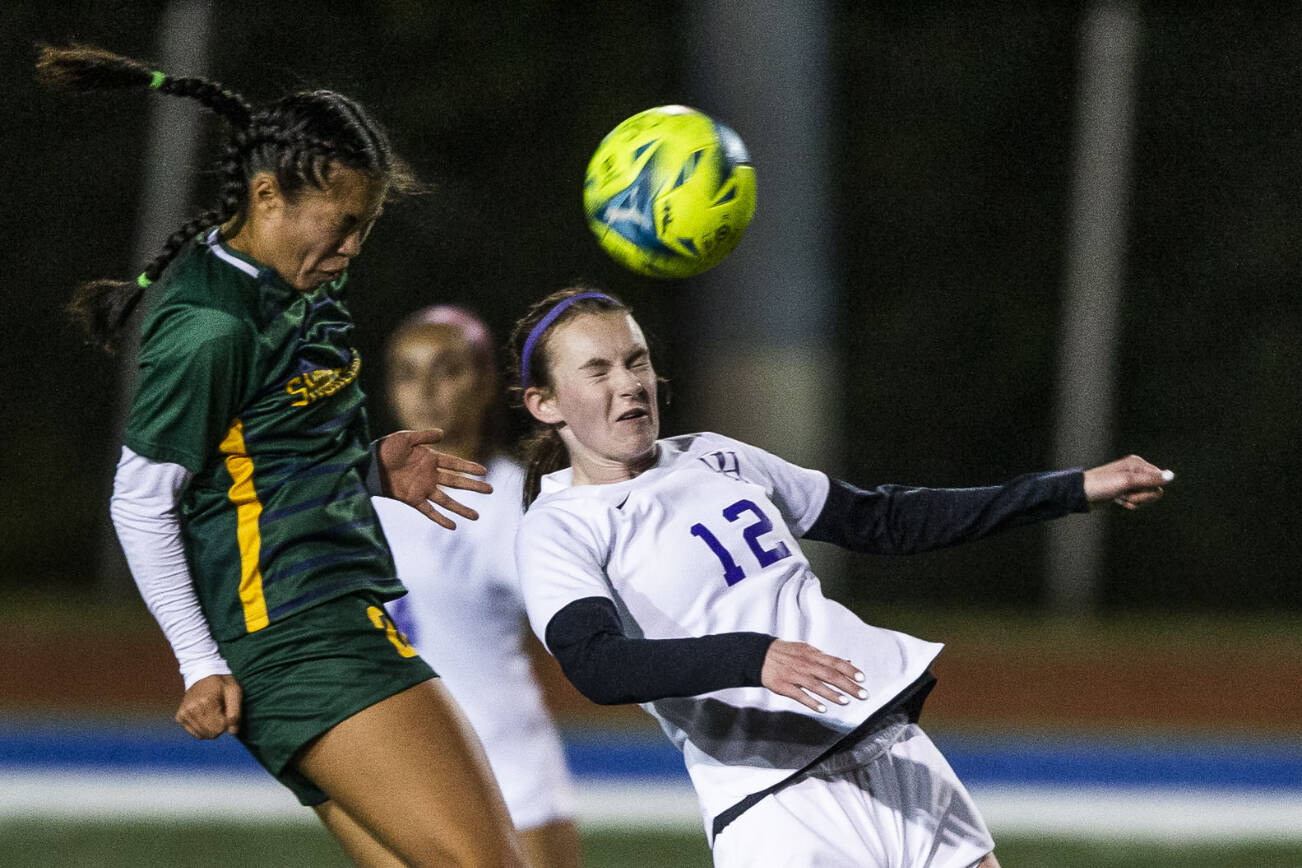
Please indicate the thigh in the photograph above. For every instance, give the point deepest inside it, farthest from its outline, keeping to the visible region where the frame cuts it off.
(553, 845)
(813, 822)
(904, 809)
(939, 824)
(304, 674)
(409, 770)
(360, 845)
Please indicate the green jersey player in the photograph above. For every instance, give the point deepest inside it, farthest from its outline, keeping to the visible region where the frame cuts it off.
(242, 498)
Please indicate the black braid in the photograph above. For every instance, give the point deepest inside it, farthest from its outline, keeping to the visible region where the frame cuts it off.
(230, 105)
(298, 138)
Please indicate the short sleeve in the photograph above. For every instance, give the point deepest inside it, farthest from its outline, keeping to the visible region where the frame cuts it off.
(559, 559)
(194, 373)
(798, 492)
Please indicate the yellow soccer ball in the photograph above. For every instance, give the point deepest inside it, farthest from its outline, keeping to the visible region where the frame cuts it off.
(669, 192)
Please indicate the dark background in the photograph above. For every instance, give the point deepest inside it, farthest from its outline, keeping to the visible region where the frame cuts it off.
(951, 151)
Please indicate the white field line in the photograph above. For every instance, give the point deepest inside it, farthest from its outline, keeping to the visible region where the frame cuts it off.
(1157, 815)
(1118, 814)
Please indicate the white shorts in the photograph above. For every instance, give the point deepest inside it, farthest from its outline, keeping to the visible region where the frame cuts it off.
(891, 801)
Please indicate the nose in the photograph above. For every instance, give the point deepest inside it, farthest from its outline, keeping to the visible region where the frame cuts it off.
(630, 383)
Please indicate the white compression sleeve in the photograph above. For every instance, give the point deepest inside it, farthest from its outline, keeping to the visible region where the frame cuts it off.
(146, 494)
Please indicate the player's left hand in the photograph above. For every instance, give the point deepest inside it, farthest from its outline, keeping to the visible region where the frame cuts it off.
(801, 672)
(416, 474)
(1130, 482)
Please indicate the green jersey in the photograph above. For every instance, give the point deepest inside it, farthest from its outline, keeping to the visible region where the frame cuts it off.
(252, 385)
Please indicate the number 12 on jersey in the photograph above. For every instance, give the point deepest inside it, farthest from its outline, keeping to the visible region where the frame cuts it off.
(732, 572)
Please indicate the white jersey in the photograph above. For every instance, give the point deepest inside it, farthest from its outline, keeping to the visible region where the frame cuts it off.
(465, 615)
(705, 542)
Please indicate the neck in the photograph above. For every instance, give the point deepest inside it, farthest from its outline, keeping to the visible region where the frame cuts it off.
(597, 470)
(245, 241)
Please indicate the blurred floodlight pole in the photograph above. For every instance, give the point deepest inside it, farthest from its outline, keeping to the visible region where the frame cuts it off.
(184, 33)
(760, 325)
(1087, 363)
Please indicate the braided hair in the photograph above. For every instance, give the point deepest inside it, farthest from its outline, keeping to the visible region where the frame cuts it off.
(297, 138)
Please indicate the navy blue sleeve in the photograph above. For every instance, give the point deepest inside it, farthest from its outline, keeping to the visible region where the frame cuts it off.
(609, 668)
(899, 520)
(370, 468)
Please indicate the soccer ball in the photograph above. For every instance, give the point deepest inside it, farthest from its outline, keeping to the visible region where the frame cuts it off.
(669, 192)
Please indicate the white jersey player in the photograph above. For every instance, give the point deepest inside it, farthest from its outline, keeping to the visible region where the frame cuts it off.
(463, 610)
(669, 573)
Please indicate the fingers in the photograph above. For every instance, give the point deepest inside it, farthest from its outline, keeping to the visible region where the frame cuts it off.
(233, 697)
(442, 499)
(466, 483)
(210, 707)
(1136, 499)
(434, 515)
(803, 673)
(1130, 482)
(461, 465)
(424, 437)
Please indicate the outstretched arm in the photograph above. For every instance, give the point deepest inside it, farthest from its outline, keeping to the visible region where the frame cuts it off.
(610, 668)
(897, 519)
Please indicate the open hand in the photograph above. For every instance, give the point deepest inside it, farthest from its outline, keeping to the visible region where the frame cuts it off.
(797, 670)
(413, 472)
(1130, 482)
(211, 706)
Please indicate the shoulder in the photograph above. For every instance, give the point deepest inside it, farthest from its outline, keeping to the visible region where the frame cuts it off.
(181, 330)
(559, 531)
(723, 454)
(202, 295)
(583, 510)
(697, 442)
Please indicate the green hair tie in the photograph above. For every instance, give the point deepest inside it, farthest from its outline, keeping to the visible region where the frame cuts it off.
(143, 281)
(157, 80)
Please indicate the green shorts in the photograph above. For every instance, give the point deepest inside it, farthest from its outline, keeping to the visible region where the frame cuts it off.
(308, 672)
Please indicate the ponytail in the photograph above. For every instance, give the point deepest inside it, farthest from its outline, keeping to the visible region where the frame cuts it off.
(542, 452)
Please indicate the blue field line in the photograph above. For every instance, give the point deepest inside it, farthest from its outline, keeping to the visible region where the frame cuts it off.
(1253, 764)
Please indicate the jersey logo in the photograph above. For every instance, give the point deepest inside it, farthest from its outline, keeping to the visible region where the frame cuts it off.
(323, 382)
(723, 461)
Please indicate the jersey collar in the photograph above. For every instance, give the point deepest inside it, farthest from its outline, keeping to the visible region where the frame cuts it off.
(563, 479)
(264, 274)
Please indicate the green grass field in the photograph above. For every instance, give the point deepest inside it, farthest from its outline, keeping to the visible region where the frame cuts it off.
(139, 845)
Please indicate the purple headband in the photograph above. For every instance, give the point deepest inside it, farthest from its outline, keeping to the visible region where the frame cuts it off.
(545, 323)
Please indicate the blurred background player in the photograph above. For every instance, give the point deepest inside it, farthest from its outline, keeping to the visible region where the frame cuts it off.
(463, 610)
(241, 497)
(669, 573)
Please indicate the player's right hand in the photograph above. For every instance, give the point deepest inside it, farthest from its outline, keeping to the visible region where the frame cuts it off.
(803, 673)
(412, 471)
(211, 706)
(1130, 482)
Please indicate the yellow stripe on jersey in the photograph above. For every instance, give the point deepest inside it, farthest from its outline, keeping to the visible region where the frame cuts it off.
(248, 509)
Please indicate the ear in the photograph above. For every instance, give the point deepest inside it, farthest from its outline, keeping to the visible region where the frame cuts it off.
(264, 193)
(541, 404)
